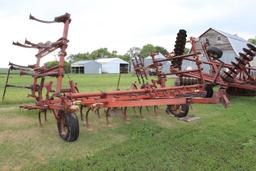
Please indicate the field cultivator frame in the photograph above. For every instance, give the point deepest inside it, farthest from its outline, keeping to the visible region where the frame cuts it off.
(64, 102)
(229, 77)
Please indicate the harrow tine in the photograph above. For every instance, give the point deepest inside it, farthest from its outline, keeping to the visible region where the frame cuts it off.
(6, 82)
(141, 116)
(228, 74)
(134, 65)
(87, 118)
(247, 51)
(45, 115)
(236, 66)
(156, 110)
(81, 112)
(97, 111)
(244, 56)
(107, 116)
(39, 118)
(124, 111)
(251, 47)
(240, 61)
(134, 109)
(147, 108)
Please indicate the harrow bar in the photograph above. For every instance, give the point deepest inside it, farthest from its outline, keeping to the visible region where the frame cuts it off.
(141, 97)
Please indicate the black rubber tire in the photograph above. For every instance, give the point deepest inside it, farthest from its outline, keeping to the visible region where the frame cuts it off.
(68, 126)
(178, 111)
(181, 110)
(214, 52)
(209, 91)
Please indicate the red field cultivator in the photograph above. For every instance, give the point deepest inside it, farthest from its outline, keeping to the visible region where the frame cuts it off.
(64, 102)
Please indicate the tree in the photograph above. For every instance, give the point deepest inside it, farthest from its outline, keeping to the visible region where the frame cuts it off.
(161, 50)
(133, 51)
(147, 49)
(114, 53)
(51, 64)
(125, 57)
(252, 40)
(100, 53)
(186, 50)
(79, 57)
(104, 53)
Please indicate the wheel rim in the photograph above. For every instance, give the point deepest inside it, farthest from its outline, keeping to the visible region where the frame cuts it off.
(176, 109)
(63, 127)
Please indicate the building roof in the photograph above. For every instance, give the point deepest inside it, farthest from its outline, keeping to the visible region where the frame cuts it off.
(113, 60)
(159, 56)
(82, 63)
(236, 42)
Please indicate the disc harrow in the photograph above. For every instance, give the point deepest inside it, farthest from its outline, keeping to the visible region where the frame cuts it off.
(240, 70)
(235, 78)
(179, 47)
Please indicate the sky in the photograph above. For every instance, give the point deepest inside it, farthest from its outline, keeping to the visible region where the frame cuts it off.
(117, 24)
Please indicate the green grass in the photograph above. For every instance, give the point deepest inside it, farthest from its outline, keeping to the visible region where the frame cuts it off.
(223, 139)
(3, 70)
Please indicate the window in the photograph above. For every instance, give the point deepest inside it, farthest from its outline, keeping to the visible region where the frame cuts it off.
(123, 68)
(77, 70)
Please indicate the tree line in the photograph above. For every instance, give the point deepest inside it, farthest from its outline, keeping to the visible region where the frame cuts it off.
(252, 40)
(105, 53)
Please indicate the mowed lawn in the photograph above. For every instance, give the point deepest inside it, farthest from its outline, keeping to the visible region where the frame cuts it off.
(223, 139)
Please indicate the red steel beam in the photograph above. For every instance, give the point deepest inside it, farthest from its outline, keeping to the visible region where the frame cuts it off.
(133, 92)
(144, 102)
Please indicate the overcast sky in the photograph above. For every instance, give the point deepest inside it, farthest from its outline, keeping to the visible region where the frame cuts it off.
(117, 24)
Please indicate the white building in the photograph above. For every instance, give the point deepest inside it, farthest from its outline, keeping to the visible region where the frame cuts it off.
(113, 65)
(165, 65)
(86, 67)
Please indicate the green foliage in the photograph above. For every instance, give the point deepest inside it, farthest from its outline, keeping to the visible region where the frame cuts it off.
(125, 57)
(103, 52)
(79, 57)
(162, 50)
(252, 40)
(99, 53)
(147, 49)
(186, 51)
(51, 64)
